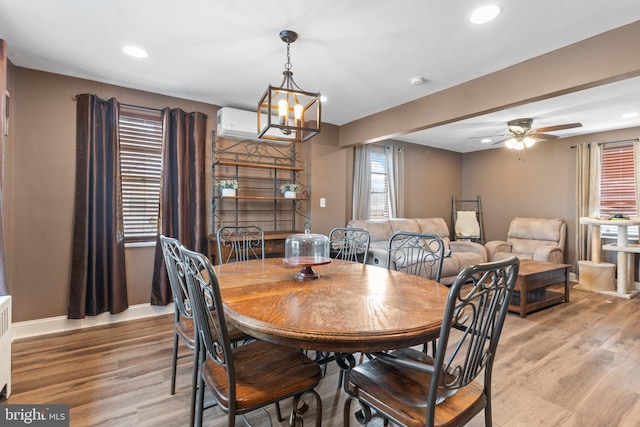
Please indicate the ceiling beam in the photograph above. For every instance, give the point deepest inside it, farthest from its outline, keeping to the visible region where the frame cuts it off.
(602, 59)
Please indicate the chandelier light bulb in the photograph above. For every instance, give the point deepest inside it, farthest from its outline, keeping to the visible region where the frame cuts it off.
(283, 111)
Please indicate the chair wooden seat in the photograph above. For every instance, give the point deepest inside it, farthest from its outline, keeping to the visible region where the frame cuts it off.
(264, 372)
(186, 331)
(402, 394)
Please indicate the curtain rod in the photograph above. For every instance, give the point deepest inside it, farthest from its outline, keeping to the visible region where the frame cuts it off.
(620, 140)
(140, 107)
(75, 98)
(613, 142)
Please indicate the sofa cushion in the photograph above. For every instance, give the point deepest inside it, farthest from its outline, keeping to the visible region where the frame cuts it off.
(435, 226)
(536, 229)
(379, 230)
(404, 224)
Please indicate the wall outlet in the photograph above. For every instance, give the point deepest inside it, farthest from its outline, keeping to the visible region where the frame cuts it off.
(323, 202)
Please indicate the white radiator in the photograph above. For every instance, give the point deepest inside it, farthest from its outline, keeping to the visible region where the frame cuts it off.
(5, 346)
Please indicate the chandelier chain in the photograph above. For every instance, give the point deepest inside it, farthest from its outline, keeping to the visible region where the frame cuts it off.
(287, 66)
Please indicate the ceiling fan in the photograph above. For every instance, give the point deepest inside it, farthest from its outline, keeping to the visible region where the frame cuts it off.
(522, 136)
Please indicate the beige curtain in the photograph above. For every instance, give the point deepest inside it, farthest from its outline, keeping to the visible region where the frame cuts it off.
(588, 166)
(395, 179)
(636, 171)
(361, 181)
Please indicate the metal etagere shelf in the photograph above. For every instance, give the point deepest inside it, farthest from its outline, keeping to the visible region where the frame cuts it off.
(260, 167)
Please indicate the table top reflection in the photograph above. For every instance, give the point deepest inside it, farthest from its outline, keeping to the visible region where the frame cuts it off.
(350, 307)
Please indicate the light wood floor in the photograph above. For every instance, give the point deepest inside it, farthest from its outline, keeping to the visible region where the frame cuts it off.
(575, 364)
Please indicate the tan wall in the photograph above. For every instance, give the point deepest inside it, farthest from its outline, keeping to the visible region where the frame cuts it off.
(539, 184)
(40, 197)
(39, 185)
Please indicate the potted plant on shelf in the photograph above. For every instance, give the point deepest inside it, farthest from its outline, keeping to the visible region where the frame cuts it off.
(228, 187)
(290, 190)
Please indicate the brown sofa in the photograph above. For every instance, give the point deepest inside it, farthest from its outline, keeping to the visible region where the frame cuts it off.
(540, 239)
(459, 254)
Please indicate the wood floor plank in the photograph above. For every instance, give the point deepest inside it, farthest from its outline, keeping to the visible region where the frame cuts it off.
(573, 364)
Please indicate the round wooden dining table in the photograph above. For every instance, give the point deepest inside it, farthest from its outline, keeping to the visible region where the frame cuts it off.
(349, 308)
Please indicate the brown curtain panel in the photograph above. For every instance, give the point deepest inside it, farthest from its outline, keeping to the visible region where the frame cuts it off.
(4, 287)
(183, 213)
(98, 281)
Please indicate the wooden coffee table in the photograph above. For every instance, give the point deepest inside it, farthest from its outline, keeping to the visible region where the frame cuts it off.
(533, 287)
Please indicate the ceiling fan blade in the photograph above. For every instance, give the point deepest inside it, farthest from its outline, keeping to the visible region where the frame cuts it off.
(544, 136)
(502, 140)
(489, 136)
(558, 127)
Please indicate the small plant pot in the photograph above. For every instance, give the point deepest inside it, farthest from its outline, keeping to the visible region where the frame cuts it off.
(228, 192)
(290, 194)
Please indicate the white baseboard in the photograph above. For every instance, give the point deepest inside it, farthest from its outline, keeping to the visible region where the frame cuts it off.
(50, 325)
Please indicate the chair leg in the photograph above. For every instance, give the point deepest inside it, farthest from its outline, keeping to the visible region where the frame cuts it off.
(194, 382)
(174, 363)
(298, 410)
(199, 413)
(346, 414)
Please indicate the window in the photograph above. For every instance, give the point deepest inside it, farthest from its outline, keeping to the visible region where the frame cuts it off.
(618, 185)
(379, 202)
(140, 136)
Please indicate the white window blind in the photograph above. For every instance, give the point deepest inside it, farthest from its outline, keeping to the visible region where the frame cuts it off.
(618, 185)
(140, 136)
(379, 205)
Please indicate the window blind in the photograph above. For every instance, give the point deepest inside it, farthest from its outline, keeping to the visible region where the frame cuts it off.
(617, 182)
(379, 205)
(140, 136)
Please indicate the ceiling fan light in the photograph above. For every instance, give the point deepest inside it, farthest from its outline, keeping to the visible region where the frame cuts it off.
(528, 142)
(510, 143)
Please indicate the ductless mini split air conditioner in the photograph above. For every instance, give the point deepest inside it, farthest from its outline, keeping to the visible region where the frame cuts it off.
(241, 124)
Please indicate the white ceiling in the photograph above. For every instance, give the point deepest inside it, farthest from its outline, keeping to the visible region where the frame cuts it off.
(361, 54)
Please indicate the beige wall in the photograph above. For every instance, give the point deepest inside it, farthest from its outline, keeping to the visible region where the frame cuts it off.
(41, 190)
(540, 183)
(39, 179)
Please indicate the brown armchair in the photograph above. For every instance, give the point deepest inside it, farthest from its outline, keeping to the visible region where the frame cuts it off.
(539, 239)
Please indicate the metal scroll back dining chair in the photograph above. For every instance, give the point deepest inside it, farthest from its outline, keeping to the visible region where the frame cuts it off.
(250, 376)
(240, 243)
(183, 319)
(349, 244)
(415, 253)
(413, 389)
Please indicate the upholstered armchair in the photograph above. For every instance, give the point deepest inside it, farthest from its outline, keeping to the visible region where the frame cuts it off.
(539, 239)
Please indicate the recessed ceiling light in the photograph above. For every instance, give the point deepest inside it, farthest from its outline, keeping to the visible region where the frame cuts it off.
(135, 51)
(485, 140)
(630, 115)
(485, 14)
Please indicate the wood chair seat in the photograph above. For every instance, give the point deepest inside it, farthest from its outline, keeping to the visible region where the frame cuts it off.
(401, 393)
(264, 372)
(185, 329)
